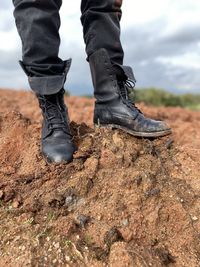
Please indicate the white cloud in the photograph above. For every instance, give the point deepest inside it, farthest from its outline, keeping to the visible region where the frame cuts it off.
(189, 60)
(9, 40)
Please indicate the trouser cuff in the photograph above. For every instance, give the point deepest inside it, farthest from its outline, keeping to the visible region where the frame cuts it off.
(47, 85)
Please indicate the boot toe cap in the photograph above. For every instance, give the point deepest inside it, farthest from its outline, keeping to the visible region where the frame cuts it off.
(62, 153)
(163, 126)
(157, 127)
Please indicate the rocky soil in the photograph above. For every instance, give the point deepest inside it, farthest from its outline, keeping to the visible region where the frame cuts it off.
(123, 201)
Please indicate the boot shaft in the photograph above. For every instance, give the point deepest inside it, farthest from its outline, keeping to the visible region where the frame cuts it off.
(103, 77)
(107, 77)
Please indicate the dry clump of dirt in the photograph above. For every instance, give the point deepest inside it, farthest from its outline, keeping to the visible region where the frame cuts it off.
(123, 201)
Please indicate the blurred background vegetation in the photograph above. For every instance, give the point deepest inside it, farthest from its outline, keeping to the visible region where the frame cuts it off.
(160, 97)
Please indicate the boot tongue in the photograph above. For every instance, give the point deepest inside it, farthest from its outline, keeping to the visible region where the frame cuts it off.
(121, 78)
(119, 72)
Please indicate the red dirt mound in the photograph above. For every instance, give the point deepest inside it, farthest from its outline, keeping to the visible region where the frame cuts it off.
(123, 201)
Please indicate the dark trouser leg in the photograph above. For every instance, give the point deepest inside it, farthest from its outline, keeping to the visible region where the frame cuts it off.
(38, 24)
(101, 27)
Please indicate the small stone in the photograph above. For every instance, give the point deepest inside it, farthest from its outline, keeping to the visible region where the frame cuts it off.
(194, 218)
(15, 204)
(99, 217)
(69, 200)
(125, 222)
(82, 220)
(72, 201)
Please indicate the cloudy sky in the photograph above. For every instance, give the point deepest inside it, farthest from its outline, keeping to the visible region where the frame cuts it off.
(161, 40)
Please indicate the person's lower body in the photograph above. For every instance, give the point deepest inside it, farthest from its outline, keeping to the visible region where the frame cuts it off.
(38, 25)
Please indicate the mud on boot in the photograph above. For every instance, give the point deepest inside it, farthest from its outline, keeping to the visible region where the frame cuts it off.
(56, 144)
(113, 108)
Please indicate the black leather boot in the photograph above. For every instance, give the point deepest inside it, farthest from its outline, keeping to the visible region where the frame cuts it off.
(56, 145)
(113, 108)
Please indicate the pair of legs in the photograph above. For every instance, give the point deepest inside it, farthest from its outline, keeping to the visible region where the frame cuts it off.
(38, 24)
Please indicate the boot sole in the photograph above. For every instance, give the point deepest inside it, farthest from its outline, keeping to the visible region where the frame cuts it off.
(135, 133)
(50, 162)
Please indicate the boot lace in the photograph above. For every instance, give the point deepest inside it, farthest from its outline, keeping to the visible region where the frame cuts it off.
(127, 87)
(54, 111)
